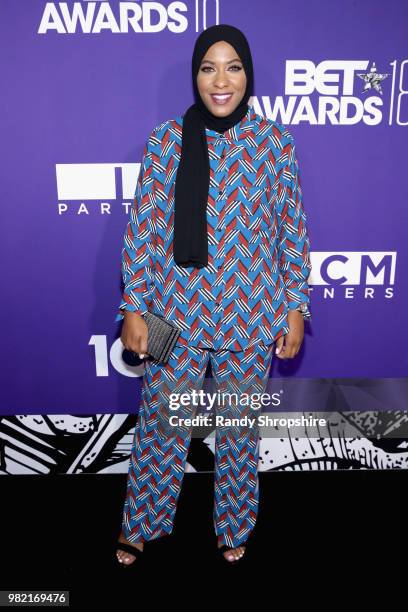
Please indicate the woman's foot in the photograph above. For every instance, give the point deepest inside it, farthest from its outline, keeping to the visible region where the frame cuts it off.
(125, 557)
(234, 553)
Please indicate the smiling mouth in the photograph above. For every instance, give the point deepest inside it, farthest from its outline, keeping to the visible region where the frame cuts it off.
(221, 98)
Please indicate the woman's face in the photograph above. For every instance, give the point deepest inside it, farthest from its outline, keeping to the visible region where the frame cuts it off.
(221, 79)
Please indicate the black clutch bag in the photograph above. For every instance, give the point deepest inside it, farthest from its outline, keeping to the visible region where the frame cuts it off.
(161, 336)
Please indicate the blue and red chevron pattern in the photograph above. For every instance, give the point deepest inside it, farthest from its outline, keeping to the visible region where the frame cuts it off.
(160, 448)
(259, 251)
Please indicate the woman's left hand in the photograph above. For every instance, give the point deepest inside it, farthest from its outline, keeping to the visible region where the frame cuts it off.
(288, 346)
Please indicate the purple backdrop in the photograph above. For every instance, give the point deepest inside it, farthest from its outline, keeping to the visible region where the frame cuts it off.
(77, 107)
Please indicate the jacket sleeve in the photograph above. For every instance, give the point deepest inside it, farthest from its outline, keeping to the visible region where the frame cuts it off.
(293, 240)
(138, 252)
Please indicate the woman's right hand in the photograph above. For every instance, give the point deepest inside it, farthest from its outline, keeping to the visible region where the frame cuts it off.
(134, 333)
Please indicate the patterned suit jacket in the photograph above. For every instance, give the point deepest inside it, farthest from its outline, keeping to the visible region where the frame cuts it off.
(258, 246)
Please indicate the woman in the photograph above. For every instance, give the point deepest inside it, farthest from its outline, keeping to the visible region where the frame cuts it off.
(216, 242)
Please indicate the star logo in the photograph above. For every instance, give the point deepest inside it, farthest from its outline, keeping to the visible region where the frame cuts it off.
(372, 79)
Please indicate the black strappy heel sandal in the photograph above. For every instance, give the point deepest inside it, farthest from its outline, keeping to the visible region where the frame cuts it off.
(132, 550)
(224, 548)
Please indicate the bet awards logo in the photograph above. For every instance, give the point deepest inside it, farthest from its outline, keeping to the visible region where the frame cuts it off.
(125, 17)
(341, 92)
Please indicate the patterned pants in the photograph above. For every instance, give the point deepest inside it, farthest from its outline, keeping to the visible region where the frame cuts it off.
(159, 450)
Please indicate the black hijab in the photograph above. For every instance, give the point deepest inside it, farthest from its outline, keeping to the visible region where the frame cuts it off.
(190, 243)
